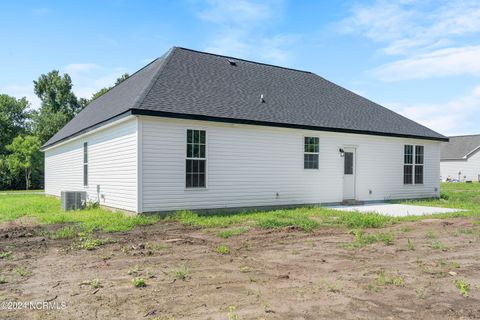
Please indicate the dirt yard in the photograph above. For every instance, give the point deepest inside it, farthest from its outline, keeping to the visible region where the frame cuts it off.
(267, 274)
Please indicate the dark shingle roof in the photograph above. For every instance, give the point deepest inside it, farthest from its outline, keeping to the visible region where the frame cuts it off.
(190, 84)
(459, 147)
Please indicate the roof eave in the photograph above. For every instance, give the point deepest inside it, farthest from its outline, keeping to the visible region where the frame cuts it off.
(277, 124)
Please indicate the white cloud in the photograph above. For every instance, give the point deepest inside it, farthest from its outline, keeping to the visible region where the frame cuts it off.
(457, 116)
(443, 62)
(20, 91)
(409, 27)
(242, 31)
(430, 36)
(235, 12)
(75, 68)
(88, 78)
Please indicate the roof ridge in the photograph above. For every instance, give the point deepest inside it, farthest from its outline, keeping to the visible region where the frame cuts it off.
(245, 60)
(117, 84)
(166, 58)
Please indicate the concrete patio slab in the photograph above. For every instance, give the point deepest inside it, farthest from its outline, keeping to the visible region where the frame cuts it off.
(395, 210)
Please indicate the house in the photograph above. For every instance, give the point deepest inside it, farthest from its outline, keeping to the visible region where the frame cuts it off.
(460, 158)
(194, 130)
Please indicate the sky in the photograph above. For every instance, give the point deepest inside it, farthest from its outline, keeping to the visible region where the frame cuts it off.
(418, 58)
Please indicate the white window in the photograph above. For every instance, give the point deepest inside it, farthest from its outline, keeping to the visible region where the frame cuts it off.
(413, 161)
(195, 163)
(311, 150)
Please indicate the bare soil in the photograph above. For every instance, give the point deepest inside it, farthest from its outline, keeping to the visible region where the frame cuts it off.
(268, 274)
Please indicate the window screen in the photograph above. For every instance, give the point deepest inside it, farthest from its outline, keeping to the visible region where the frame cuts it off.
(195, 163)
(311, 151)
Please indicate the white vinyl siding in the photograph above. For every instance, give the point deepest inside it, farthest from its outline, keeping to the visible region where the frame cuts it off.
(263, 166)
(469, 168)
(112, 164)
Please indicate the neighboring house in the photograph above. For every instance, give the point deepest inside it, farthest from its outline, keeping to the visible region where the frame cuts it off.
(194, 130)
(460, 158)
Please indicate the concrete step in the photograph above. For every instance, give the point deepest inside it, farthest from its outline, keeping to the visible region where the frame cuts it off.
(352, 202)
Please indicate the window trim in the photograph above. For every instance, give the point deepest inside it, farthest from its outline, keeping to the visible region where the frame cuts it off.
(185, 141)
(414, 164)
(304, 152)
(85, 164)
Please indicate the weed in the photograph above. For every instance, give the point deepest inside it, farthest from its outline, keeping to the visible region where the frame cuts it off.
(64, 233)
(232, 232)
(383, 280)
(222, 249)
(430, 235)
(462, 286)
(23, 271)
(420, 293)
(3, 279)
(154, 246)
(6, 254)
(410, 246)
(88, 243)
(135, 270)
(332, 287)
(406, 228)
(139, 282)
(295, 252)
(94, 283)
(245, 269)
(437, 244)
(232, 315)
(361, 239)
(181, 272)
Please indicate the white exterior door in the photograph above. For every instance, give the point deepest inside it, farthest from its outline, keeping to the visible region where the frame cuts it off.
(349, 174)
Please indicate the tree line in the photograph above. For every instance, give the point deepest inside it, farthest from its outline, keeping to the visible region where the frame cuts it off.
(24, 130)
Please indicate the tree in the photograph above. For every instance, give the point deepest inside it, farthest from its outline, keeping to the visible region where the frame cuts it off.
(56, 93)
(59, 104)
(47, 122)
(24, 153)
(13, 119)
(102, 91)
(122, 78)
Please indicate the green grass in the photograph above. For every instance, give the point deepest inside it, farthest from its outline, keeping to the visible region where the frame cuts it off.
(67, 232)
(464, 196)
(232, 232)
(46, 210)
(305, 219)
(455, 195)
(20, 191)
(361, 239)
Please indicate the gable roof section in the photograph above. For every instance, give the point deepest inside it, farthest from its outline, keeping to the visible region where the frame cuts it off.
(460, 147)
(184, 83)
